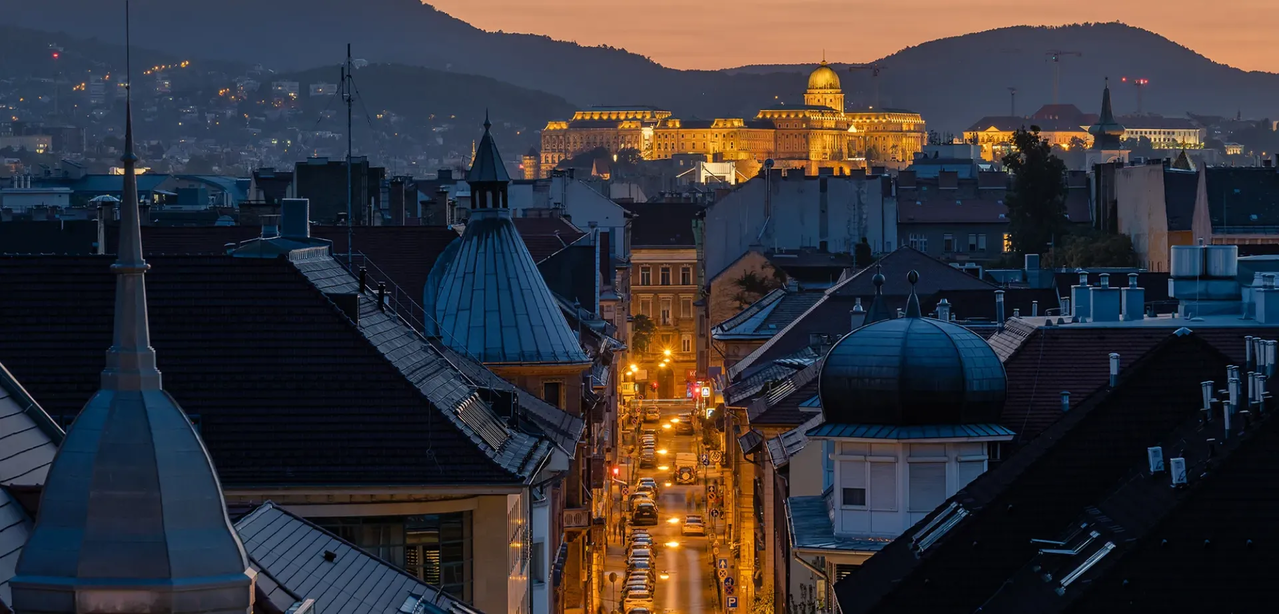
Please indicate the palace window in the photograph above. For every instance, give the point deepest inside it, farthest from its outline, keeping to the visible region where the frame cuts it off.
(686, 308)
(646, 307)
(1008, 243)
(686, 343)
(666, 276)
(646, 276)
(686, 276)
(666, 312)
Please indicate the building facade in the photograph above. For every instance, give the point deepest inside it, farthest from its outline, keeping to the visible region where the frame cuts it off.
(817, 134)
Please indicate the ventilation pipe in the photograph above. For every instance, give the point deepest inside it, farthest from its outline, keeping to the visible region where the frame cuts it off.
(1132, 300)
(1065, 401)
(1205, 388)
(1248, 346)
(1114, 369)
(1034, 309)
(1016, 312)
(943, 310)
(999, 308)
(858, 315)
(1079, 298)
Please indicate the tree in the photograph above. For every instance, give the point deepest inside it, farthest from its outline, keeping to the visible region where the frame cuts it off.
(1037, 201)
(1095, 249)
(753, 285)
(862, 254)
(642, 333)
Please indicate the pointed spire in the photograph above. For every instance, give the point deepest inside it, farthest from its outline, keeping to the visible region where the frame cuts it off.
(912, 304)
(1106, 132)
(878, 310)
(487, 125)
(130, 360)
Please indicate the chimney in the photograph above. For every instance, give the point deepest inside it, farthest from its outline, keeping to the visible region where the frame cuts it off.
(1232, 387)
(1114, 369)
(1270, 357)
(270, 226)
(1205, 389)
(858, 315)
(999, 308)
(1249, 344)
(943, 310)
(792, 284)
(1032, 262)
(1104, 301)
(948, 180)
(1133, 300)
(1065, 401)
(1079, 298)
(1267, 300)
(295, 218)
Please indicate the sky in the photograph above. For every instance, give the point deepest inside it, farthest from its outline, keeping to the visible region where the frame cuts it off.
(714, 34)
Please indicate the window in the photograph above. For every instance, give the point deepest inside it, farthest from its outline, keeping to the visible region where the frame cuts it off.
(551, 393)
(646, 307)
(686, 343)
(972, 242)
(828, 464)
(666, 276)
(919, 242)
(646, 276)
(927, 486)
(981, 243)
(948, 243)
(686, 308)
(666, 312)
(1008, 243)
(852, 483)
(968, 471)
(883, 486)
(686, 276)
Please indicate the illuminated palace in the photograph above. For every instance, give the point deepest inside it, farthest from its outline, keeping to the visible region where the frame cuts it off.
(816, 134)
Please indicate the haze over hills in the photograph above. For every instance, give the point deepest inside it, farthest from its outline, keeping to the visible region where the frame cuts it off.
(952, 81)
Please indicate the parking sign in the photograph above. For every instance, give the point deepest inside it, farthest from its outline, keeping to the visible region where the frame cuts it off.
(732, 602)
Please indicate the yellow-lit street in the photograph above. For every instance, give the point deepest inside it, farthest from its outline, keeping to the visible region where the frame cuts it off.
(663, 451)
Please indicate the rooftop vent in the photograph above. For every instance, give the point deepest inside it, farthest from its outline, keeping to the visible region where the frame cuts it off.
(330, 556)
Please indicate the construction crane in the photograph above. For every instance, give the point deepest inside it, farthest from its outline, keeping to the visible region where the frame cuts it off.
(1012, 112)
(1140, 84)
(874, 75)
(1055, 56)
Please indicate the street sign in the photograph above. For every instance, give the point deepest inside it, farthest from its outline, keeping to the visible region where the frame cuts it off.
(723, 573)
(706, 459)
(728, 590)
(715, 514)
(732, 603)
(715, 550)
(729, 581)
(626, 489)
(722, 564)
(716, 456)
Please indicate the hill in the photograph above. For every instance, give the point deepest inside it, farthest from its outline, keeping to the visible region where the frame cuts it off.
(952, 81)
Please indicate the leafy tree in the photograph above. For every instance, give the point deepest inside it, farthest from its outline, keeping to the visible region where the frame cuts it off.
(642, 331)
(1077, 144)
(1095, 249)
(753, 285)
(1037, 201)
(862, 254)
(1140, 146)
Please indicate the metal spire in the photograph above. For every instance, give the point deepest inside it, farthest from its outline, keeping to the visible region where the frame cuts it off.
(878, 310)
(487, 125)
(912, 303)
(130, 360)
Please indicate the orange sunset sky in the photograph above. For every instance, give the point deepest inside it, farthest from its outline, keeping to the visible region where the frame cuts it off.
(720, 34)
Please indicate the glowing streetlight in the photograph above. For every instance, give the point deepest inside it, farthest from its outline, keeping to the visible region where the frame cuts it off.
(634, 367)
(664, 576)
(666, 352)
(662, 452)
(666, 484)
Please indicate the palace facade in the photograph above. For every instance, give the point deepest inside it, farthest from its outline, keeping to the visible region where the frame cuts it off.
(816, 134)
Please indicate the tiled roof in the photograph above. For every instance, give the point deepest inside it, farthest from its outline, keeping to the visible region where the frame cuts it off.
(286, 389)
(934, 276)
(290, 554)
(750, 441)
(59, 237)
(546, 236)
(663, 224)
(767, 316)
(1037, 491)
(29, 438)
(753, 383)
(810, 527)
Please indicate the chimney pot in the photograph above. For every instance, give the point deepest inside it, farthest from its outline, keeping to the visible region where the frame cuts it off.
(1034, 309)
(1016, 312)
(1065, 401)
(999, 308)
(1206, 389)
(364, 275)
(1114, 369)
(1083, 278)
(1132, 280)
(1104, 280)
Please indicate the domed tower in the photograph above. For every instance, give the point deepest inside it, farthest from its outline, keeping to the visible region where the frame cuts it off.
(824, 89)
(132, 517)
(911, 408)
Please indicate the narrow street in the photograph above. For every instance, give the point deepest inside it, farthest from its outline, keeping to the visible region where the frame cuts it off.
(685, 578)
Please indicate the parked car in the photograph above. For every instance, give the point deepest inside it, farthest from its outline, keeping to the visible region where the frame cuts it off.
(648, 460)
(645, 514)
(652, 414)
(647, 483)
(693, 525)
(685, 425)
(640, 554)
(637, 600)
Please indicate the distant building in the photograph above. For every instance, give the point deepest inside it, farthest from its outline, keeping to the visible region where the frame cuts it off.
(820, 133)
(35, 143)
(324, 89)
(285, 89)
(324, 182)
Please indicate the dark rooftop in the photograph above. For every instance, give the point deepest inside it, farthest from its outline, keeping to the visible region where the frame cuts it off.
(663, 224)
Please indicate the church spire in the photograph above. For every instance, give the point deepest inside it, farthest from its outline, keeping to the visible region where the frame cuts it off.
(1106, 132)
(130, 360)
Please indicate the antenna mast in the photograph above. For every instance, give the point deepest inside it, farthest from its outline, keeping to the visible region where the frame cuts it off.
(348, 96)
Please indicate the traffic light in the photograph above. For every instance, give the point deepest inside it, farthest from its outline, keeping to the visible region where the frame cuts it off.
(56, 55)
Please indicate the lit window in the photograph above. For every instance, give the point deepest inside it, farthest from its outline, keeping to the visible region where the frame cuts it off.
(686, 343)
(666, 276)
(646, 276)
(1008, 243)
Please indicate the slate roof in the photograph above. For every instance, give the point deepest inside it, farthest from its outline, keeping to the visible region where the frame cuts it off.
(663, 224)
(289, 554)
(29, 438)
(286, 390)
(113, 184)
(767, 316)
(487, 167)
(546, 236)
(980, 304)
(810, 527)
(783, 404)
(43, 237)
(493, 304)
(937, 209)
(15, 528)
(1038, 491)
(811, 266)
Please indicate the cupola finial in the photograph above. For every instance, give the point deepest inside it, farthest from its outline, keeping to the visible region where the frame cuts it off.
(878, 310)
(912, 304)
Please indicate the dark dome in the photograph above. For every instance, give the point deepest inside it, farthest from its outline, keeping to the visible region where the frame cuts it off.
(912, 371)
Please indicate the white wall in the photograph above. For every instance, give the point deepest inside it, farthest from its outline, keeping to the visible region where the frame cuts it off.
(541, 527)
(581, 203)
(852, 210)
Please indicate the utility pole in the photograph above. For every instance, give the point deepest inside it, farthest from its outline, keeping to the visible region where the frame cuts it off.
(348, 97)
(1012, 110)
(1055, 56)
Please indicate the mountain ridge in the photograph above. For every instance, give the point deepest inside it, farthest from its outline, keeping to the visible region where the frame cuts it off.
(951, 81)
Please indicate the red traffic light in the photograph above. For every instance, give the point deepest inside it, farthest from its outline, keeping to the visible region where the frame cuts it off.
(56, 55)
(615, 470)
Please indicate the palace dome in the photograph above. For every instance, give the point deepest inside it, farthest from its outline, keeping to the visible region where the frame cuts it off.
(824, 78)
(911, 371)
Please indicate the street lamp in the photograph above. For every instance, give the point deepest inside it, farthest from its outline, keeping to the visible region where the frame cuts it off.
(666, 352)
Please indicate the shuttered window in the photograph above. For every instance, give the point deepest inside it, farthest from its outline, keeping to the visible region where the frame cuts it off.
(883, 487)
(927, 486)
